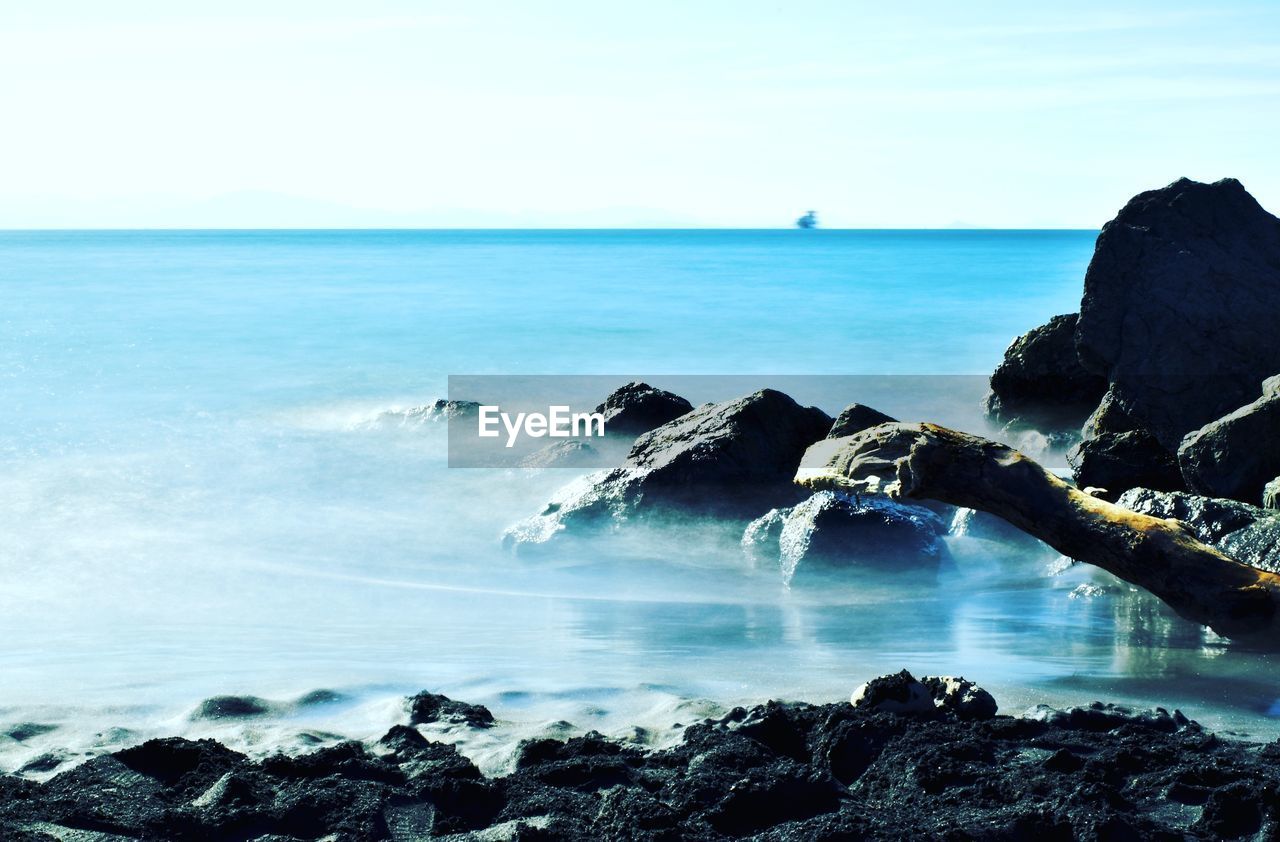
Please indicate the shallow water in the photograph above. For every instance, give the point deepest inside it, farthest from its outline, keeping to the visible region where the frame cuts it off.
(202, 492)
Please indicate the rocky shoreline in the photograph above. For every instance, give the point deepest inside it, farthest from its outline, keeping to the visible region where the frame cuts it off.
(906, 759)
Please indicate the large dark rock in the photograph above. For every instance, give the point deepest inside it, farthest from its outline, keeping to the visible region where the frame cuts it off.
(930, 696)
(834, 531)
(1041, 384)
(432, 707)
(637, 408)
(733, 459)
(855, 418)
(1117, 462)
(1237, 455)
(1181, 302)
(1249, 534)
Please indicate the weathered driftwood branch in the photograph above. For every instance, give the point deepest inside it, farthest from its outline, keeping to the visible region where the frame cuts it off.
(925, 461)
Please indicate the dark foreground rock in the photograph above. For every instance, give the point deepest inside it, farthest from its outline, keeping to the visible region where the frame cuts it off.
(779, 771)
(1237, 455)
(733, 459)
(637, 408)
(1248, 534)
(1117, 462)
(1041, 384)
(1180, 304)
(832, 531)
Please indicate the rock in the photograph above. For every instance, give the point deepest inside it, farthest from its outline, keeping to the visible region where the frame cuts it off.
(233, 707)
(932, 695)
(1117, 462)
(1180, 305)
(1041, 384)
(733, 459)
(637, 408)
(1107, 717)
(855, 418)
(835, 531)
(971, 523)
(436, 411)
(1249, 534)
(563, 454)
(432, 707)
(1238, 454)
(1271, 495)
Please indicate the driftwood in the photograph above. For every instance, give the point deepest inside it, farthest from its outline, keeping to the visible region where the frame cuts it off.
(925, 461)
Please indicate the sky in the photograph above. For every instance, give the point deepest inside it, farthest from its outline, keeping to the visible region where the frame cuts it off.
(388, 113)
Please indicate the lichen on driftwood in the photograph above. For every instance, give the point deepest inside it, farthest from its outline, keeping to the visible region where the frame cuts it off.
(926, 461)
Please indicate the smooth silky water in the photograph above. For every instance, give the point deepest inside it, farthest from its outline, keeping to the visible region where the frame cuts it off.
(208, 489)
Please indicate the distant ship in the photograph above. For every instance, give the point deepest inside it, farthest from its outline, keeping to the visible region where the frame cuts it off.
(809, 220)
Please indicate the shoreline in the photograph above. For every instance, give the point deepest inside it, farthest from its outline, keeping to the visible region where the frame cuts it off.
(777, 770)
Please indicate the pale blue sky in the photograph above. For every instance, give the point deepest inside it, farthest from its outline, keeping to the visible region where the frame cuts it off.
(389, 112)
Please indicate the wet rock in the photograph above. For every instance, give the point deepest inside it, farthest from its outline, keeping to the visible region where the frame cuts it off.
(1249, 534)
(563, 454)
(1271, 495)
(1117, 462)
(1238, 454)
(439, 410)
(733, 459)
(1041, 384)
(855, 418)
(233, 707)
(1180, 305)
(831, 531)
(26, 730)
(431, 707)
(637, 408)
(1108, 717)
(901, 693)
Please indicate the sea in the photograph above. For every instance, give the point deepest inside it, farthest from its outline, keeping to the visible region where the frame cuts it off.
(213, 484)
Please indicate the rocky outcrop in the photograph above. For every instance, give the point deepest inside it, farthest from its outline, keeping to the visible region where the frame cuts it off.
(436, 411)
(835, 531)
(1271, 495)
(637, 408)
(432, 707)
(1238, 454)
(733, 459)
(855, 418)
(1180, 304)
(1116, 462)
(1249, 534)
(777, 771)
(1041, 384)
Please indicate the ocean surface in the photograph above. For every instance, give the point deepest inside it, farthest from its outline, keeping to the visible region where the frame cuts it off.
(209, 485)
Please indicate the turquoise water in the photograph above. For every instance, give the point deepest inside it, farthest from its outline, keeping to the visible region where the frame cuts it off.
(207, 489)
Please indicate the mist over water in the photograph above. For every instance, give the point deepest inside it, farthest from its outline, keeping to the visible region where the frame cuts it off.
(209, 486)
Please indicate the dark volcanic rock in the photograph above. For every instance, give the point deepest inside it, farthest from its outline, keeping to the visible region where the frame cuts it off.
(637, 408)
(1180, 306)
(1120, 461)
(432, 707)
(778, 771)
(855, 418)
(732, 459)
(1237, 455)
(1041, 384)
(833, 531)
(1248, 534)
(930, 696)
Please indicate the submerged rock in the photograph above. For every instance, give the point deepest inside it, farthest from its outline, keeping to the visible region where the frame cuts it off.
(1237, 455)
(855, 418)
(1249, 534)
(1117, 462)
(637, 408)
(931, 695)
(1180, 304)
(831, 531)
(1107, 717)
(732, 459)
(563, 454)
(1040, 383)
